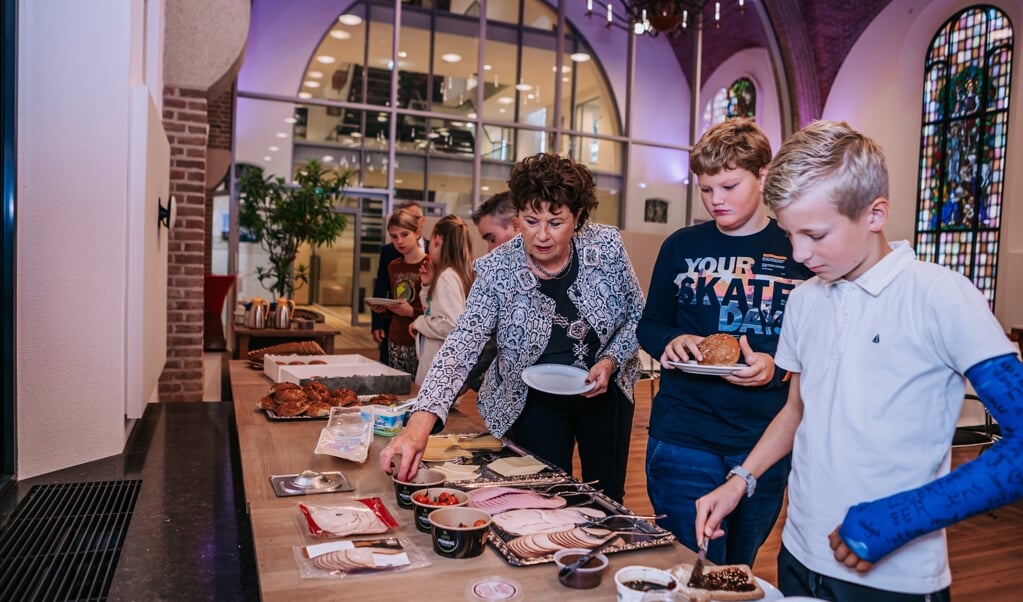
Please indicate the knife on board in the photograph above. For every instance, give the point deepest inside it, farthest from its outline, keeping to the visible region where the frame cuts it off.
(696, 578)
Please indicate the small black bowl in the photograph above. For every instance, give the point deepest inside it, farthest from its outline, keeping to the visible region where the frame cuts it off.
(456, 534)
(403, 490)
(422, 510)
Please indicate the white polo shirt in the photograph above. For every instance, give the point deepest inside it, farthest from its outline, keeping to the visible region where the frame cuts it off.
(881, 363)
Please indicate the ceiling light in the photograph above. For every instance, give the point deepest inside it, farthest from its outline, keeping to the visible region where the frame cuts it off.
(316, 74)
(304, 95)
(564, 68)
(642, 184)
(650, 17)
(290, 120)
(531, 96)
(281, 135)
(382, 118)
(579, 57)
(566, 79)
(484, 188)
(505, 100)
(451, 57)
(487, 67)
(503, 110)
(471, 115)
(311, 83)
(397, 181)
(268, 158)
(273, 149)
(340, 34)
(328, 158)
(350, 19)
(523, 87)
(326, 59)
(356, 134)
(402, 54)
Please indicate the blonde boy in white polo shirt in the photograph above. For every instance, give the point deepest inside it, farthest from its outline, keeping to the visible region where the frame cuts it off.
(877, 344)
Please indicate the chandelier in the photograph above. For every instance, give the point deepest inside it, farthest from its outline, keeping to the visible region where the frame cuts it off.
(653, 17)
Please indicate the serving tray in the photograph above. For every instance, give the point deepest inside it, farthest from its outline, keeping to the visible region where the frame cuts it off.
(273, 416)
(285, 485)
(646, 535)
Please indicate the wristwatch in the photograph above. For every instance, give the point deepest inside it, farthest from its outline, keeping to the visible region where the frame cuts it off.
(745, 475)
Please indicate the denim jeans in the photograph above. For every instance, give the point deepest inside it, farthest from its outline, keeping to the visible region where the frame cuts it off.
(794, 579)
(676, 476)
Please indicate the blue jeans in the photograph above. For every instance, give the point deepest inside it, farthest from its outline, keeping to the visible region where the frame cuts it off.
(794, 579)
(676, 476)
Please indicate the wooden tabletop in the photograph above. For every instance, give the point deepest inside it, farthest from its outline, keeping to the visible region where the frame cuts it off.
(269, 448)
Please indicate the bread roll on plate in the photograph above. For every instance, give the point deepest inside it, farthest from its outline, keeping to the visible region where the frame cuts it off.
(720, 583)
(719, 350)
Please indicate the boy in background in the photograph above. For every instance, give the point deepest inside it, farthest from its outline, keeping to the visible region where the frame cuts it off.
(497, 220)
(878, 345)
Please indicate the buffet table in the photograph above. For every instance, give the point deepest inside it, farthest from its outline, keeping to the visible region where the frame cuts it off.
(274, 448)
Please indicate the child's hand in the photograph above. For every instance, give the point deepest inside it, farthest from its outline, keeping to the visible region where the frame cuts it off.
(377, 309)
(845, 555)
(403, 309)
(712, 508)
(760, 371)
(681, 349)
(426, 271)
(378, 335)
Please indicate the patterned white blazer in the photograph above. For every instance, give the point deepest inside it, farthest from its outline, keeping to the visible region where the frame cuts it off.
(506, 299)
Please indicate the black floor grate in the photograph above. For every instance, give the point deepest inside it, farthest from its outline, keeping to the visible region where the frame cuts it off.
(63, 540)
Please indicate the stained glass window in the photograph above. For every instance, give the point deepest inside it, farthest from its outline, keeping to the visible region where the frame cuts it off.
(737, 100)
(962, 144)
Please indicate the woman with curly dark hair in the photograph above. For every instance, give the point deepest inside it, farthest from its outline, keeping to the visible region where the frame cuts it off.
(563, 292)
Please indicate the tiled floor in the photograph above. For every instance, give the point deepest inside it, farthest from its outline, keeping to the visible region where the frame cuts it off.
(189, 537)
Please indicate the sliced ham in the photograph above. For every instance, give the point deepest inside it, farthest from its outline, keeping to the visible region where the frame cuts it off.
(502, 499)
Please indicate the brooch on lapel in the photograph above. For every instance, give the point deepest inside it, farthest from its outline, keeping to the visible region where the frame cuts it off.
(526, 279)
(591, 255)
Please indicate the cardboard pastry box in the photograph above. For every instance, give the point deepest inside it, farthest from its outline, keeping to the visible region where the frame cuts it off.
(272, 363)
(365, 379)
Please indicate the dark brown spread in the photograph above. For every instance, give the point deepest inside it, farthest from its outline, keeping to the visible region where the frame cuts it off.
(730, 579)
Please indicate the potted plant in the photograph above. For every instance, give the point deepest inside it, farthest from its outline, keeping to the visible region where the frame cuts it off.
(283, 217)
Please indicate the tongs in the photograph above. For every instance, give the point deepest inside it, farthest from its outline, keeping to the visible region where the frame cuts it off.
(629, 519)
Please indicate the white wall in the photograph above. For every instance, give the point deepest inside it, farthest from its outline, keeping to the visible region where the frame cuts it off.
(879, 90)
(72, 180)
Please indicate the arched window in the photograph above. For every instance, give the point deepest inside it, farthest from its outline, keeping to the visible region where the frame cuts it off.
(737, 100)
(963, 139)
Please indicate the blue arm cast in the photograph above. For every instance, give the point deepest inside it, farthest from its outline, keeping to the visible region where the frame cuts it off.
(995, 478)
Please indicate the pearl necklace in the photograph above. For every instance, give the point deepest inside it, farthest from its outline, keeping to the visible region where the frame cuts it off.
(559, 273)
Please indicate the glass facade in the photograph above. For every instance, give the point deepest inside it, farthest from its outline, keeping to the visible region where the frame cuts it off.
(963, 144)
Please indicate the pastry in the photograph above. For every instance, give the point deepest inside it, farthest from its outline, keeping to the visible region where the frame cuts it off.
(292, 408)
(318, 409)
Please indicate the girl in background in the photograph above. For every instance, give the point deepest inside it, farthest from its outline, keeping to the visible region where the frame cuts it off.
(404, 230)
(446, 276)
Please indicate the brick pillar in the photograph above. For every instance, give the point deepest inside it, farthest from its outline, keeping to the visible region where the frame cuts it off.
(186, 123)
(221, 120)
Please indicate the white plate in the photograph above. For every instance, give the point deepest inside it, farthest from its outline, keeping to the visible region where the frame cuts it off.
(558, 379)
(381, 301)
(770, 592)
(693, 368)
